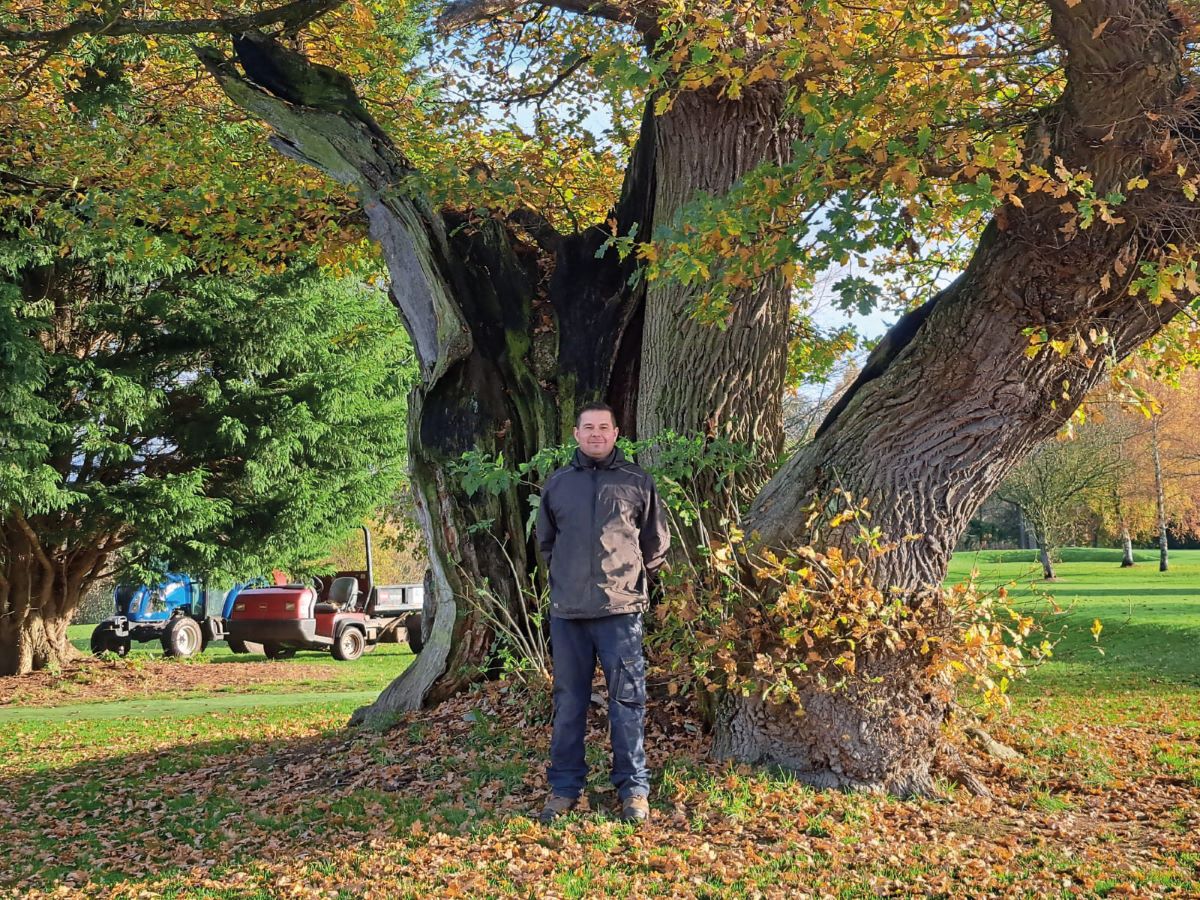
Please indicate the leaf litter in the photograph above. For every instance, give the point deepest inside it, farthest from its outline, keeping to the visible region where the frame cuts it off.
(441, 805)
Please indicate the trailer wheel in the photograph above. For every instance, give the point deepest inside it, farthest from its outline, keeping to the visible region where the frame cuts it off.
(273, 650)
(350, 644)
(412, 626)
(182, 638)
(237, 646)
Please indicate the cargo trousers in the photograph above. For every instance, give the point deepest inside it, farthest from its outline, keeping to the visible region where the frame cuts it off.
(576, 645)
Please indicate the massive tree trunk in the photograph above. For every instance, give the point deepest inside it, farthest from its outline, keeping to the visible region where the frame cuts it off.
(504, 360)
(514, 325)
(957, 405)
(927, 432)
(37, 600)
(697, 378)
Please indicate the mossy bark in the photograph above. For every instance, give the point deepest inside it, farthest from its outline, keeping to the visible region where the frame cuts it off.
(514, 326)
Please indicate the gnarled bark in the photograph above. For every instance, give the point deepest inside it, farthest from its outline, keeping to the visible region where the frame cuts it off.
(476, 296)
(962, 402)
(37, 600)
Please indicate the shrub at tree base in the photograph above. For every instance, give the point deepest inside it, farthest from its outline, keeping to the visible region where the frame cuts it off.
(810, 629)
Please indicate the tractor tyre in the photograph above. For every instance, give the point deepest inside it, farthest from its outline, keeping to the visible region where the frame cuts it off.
(273, 650)
(237, 646)
(119, 646)
(412, 626)
(350, 644)
(103, 638)
(183, 638)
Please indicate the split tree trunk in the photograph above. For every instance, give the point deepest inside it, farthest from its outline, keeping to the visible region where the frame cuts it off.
(961, 403)
(514, 325)
(928, 439)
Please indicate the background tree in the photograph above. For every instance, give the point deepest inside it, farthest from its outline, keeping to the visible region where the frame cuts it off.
(1160, 492)
(1057, 484)
(773, 141)
(156, 417)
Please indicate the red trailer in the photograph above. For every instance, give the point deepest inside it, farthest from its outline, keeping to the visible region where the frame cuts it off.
(347, 615)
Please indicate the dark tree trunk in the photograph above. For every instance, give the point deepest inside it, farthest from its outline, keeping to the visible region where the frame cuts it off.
(514, 326)
(959, 403)
(37, 600)
(1023, 539)
(1046, 561)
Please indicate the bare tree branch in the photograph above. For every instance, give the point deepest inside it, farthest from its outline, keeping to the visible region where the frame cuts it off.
(460, 13)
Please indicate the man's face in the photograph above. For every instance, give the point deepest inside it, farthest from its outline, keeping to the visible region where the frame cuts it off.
(596, 433)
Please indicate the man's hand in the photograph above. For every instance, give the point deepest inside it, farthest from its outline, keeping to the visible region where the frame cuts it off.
(654, 589)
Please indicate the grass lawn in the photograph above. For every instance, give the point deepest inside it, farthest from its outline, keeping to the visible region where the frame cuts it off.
(148, 677)
(385, 661)
(238, 794)
(1150, 620)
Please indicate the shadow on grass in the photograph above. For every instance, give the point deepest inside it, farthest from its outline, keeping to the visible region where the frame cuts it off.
(216, 808)
(1068, 555)
(1138, 657)
(1140, 594)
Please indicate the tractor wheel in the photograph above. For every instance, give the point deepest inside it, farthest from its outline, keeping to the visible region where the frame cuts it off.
(182, 638)
(412, 625)
(273, 650)
(103, 638)
(237, 646)
(106, 640)
(350, 644)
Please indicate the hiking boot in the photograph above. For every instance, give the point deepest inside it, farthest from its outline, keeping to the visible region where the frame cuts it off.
(556, 807)
(635, 809)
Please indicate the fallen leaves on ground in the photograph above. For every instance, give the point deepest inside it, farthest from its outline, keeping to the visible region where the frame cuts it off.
(440, 805)
(88, 680)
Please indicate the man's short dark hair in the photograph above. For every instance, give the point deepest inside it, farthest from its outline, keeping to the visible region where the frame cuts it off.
(596, 406)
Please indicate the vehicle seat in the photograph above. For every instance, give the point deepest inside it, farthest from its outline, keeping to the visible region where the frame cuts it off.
(344, 592)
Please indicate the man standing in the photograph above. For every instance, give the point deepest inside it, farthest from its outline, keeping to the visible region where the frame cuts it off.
(602, 532)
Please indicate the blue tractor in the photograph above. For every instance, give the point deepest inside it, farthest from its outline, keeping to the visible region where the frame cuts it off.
(181, 612)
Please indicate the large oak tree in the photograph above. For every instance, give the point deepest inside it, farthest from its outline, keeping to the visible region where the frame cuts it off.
(775, 139)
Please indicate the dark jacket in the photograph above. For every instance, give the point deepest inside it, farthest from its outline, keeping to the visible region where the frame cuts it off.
(603, 533)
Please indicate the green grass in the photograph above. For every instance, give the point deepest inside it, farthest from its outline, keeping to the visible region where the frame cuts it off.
(1151, 619)
(167, 707)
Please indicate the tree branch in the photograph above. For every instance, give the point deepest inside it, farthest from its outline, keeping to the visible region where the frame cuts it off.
(319, 120)
(290, 15)
(460, 13)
